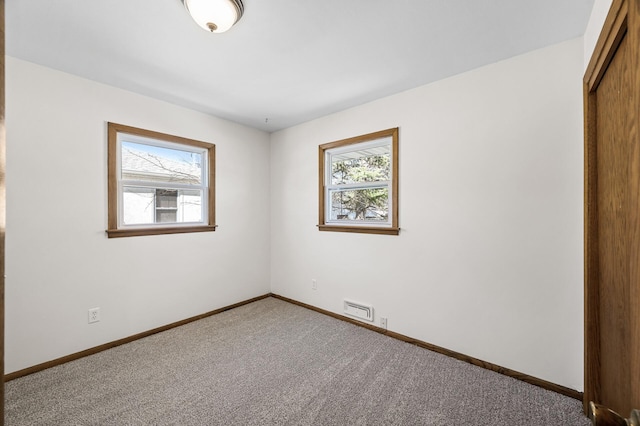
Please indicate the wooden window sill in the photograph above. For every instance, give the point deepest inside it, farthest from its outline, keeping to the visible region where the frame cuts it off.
(360, 229)
(117, 233)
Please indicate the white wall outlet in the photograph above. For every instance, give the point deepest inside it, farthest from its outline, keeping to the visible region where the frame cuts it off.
(314, 284)
(383, 322)
(94, 315)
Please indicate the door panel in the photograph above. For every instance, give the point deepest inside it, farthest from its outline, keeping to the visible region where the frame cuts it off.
(613, 153)
(612, 213)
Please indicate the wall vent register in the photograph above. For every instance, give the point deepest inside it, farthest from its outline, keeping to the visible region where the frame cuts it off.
(358, 310)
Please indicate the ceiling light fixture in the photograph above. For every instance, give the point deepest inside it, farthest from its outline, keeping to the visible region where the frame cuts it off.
(216, 16)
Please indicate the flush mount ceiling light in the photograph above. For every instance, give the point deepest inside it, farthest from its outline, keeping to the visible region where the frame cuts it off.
(216, 16)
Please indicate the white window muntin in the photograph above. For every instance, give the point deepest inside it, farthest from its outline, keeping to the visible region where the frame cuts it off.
(329, 187)
(202, 187)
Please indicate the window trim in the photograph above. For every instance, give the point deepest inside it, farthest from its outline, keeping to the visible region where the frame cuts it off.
(323, 223)
(113, 231)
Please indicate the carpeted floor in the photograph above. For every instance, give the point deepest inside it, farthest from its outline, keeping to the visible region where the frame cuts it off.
(274, 363)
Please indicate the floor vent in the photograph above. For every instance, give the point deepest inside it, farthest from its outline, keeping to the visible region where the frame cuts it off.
(358, 310)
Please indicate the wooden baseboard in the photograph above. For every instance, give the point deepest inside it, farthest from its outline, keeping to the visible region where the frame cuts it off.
(471, 360)
(104, 347)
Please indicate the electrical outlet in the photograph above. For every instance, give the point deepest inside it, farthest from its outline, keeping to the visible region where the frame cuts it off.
(383, 323)
(94, 315)
(314, 284)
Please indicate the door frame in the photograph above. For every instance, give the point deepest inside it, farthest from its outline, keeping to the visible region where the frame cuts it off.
(615, 28)
(2, 204)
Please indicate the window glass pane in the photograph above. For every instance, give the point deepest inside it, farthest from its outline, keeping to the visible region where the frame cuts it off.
(166, 216)
(138, 205)
(166, 198)
(166, 206)
(364, 165)
(155, 164)
(370, 204)
(190, 205)
(155, 205)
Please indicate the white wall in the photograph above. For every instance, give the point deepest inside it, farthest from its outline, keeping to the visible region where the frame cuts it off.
(594, 26)
(488, 263)
(489, 259)
(59, 261)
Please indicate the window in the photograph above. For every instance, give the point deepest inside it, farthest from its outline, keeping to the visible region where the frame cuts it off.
(359, 184)
(158, 183)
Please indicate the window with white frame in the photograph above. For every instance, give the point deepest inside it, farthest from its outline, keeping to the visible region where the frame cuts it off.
(158, 183)
(359, 184)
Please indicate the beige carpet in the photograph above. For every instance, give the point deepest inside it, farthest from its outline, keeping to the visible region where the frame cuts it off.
(274, 363)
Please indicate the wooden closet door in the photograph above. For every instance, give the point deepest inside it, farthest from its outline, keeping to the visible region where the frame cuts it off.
(612, 213)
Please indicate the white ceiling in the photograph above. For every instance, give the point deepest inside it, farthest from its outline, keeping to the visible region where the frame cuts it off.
(286, 60)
